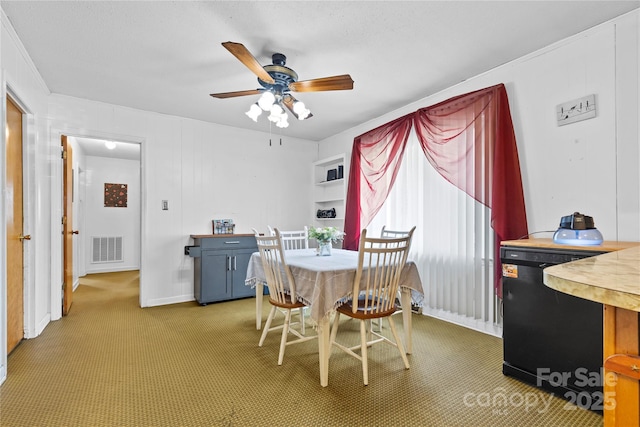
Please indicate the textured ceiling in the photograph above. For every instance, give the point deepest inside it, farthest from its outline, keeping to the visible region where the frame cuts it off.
(166, 56)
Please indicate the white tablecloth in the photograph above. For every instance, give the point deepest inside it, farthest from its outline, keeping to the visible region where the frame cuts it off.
(325, 282)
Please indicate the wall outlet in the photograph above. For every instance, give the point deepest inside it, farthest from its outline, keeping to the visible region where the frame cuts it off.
(165, 205)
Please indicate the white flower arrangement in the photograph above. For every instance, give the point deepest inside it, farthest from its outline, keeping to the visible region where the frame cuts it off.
(326, 234)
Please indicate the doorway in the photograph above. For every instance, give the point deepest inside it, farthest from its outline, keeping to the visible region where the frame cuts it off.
(107, 238)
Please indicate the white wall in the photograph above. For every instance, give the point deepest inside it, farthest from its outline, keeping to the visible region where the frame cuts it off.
(21, 79)
(101, 221)
(590, 166)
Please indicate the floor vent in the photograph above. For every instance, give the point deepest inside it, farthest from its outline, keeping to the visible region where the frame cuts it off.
(106, 249)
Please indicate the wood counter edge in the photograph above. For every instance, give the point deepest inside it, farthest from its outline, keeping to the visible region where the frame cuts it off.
(606, 246)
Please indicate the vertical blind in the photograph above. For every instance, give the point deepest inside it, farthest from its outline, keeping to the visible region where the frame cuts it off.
(452, 245)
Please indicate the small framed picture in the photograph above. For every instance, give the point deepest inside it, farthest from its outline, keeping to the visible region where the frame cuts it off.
(115, 195)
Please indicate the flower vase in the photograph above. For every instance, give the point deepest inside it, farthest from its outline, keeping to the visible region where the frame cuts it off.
(324, 248)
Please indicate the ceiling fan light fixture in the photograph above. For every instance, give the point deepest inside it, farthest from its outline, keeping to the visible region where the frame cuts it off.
(254, 112)
(266, 100)
(301, 110)
(283, 122)
(277, 80)
(276, 109)
(277, 114)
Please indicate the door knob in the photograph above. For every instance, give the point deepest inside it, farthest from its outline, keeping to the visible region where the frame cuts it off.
(27, 237)
(75, 232)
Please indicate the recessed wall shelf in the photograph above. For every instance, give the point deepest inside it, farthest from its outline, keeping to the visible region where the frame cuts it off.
(329, 194)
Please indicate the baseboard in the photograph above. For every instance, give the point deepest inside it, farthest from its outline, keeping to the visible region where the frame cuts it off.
(475, 324)
(112, 269)
(166, 301)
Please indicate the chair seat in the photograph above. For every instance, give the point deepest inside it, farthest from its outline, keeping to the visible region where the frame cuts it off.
(287, 303)
(361, 313)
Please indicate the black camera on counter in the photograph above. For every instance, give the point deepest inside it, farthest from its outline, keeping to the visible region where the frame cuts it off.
(326, 213)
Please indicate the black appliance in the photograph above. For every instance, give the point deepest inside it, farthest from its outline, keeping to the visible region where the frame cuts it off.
(577, 229)
(551, 340)
(577, 221)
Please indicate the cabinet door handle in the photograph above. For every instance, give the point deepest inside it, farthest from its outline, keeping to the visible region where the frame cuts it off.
(228, 263)
(234, 263)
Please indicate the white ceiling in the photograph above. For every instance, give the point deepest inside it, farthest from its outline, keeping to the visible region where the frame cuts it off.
(166, 56)
(97, 148)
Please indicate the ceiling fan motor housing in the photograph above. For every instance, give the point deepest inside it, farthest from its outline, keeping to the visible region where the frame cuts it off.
(281, 74)
(278, 59)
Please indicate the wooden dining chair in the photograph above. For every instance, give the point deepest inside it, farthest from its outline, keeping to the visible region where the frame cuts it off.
(282, 291)
(376, 283)
(293, 239)
(386, 233)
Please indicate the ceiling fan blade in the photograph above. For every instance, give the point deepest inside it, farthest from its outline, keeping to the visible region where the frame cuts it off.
(238, 93)
(343, 82)
(288, 102)
(239, 51)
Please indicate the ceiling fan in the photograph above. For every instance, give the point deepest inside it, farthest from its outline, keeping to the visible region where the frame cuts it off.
(278, 81)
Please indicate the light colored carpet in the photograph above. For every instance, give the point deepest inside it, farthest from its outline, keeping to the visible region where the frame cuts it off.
(111, 363)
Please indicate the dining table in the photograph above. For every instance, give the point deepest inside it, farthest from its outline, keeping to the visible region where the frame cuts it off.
(324, 283)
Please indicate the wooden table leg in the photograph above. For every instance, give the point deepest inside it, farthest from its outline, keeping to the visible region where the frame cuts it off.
(405, 296)
(324, 349)
(259, 298)
(621, 393)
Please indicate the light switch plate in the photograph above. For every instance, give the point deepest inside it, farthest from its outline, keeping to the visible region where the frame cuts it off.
(574, 111)
(165, 205)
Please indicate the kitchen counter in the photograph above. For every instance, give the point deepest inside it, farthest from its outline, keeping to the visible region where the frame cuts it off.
(612, 279)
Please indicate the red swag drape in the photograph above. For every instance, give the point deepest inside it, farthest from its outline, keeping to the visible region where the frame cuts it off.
(469, 140)
(375, 161)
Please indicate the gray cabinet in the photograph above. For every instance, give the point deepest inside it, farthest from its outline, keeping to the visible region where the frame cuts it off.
(220, 266)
